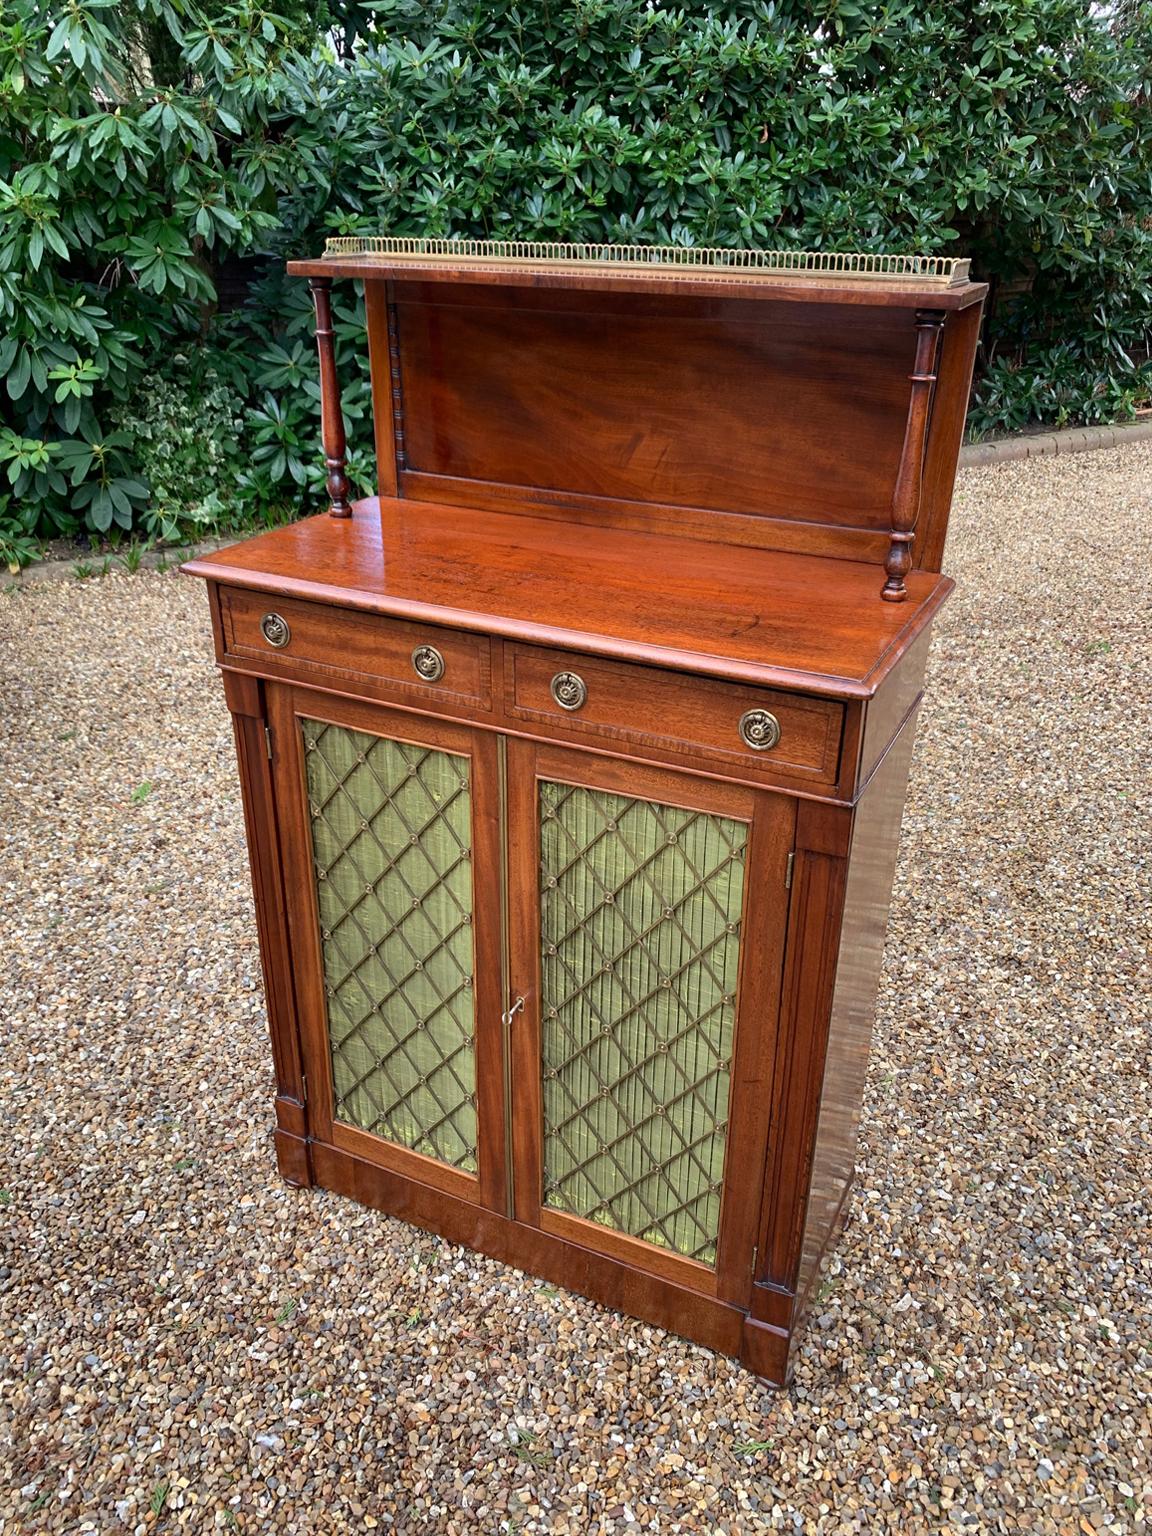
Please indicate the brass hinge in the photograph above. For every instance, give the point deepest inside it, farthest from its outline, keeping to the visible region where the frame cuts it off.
(755, 1256)
(788, 872)
(268, 741)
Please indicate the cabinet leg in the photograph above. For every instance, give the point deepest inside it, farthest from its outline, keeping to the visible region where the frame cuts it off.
(293, 1149)
(764, 1350)
(293, 1159)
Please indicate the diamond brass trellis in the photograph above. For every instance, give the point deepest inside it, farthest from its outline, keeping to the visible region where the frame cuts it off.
(640, 911)
(391, 841)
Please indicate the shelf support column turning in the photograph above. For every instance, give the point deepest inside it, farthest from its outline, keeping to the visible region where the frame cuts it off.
(906, 497)
(331, 416)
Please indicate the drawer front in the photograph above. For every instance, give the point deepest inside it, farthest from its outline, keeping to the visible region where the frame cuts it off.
(315, 643)
(676, 713)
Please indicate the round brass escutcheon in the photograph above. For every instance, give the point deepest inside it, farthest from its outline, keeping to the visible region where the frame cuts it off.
(759, 730)
(569, 690)
(275, 630)
(428, 663)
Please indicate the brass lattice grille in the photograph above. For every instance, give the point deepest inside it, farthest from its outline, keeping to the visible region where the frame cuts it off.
(640, 909)
(691, 260)
(391, 839)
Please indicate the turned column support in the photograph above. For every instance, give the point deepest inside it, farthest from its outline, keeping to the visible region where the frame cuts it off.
(331, 416)
(906, 497)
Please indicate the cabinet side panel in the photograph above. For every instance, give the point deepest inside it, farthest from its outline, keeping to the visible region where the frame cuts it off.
(945, 434)
(868, 893)
(892, 707)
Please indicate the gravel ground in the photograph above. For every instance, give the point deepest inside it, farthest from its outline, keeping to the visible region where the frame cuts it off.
(186, 1344)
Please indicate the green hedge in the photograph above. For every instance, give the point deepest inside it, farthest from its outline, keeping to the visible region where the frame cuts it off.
(147, 147)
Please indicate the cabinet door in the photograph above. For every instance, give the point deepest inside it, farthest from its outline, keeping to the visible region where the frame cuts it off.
(647, 918)
(390, 832)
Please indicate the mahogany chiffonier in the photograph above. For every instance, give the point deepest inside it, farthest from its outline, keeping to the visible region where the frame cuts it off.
(573, 762)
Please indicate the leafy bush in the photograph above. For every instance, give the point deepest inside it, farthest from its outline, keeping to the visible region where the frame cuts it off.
(185, 437)
(282, 425)
(1016, 131)
(226, 434)
(1059, 385)
(147, 146)
(121, 181)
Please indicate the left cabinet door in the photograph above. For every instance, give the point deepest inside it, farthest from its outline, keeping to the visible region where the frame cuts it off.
(389, 826)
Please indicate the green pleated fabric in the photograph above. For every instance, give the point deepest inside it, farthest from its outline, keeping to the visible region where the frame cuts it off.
(640, 909)
(391, 842)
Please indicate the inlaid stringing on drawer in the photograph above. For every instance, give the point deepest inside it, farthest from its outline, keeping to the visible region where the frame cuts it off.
(676, 712)
(314, 641)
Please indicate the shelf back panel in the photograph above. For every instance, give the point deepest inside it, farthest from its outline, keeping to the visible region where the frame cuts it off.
(783, 413)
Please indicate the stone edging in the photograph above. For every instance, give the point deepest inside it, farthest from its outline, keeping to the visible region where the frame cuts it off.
(150, 560)
(1034, 446)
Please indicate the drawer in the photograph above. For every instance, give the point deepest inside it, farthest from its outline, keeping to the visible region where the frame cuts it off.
(676, 713)
(312, 642)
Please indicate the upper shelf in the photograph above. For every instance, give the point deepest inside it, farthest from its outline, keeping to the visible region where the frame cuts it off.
(939, 282)
(761, 616)
(808, 402)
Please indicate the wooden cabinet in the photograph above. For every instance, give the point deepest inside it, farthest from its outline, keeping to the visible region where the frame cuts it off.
(573, 815)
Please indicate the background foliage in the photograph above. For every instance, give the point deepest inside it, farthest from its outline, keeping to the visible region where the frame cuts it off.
(160, 158)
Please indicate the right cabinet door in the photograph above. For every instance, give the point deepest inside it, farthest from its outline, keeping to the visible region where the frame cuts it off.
(647, 916)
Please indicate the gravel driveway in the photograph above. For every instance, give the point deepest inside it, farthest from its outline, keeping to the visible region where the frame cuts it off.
(186, 1344)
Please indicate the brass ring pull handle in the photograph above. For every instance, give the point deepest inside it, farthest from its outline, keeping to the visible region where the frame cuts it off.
(759, 730)
(428, 663)
(569, 690)
(275, 630)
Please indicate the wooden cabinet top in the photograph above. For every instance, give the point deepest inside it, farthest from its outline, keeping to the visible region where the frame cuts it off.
(786, 620)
